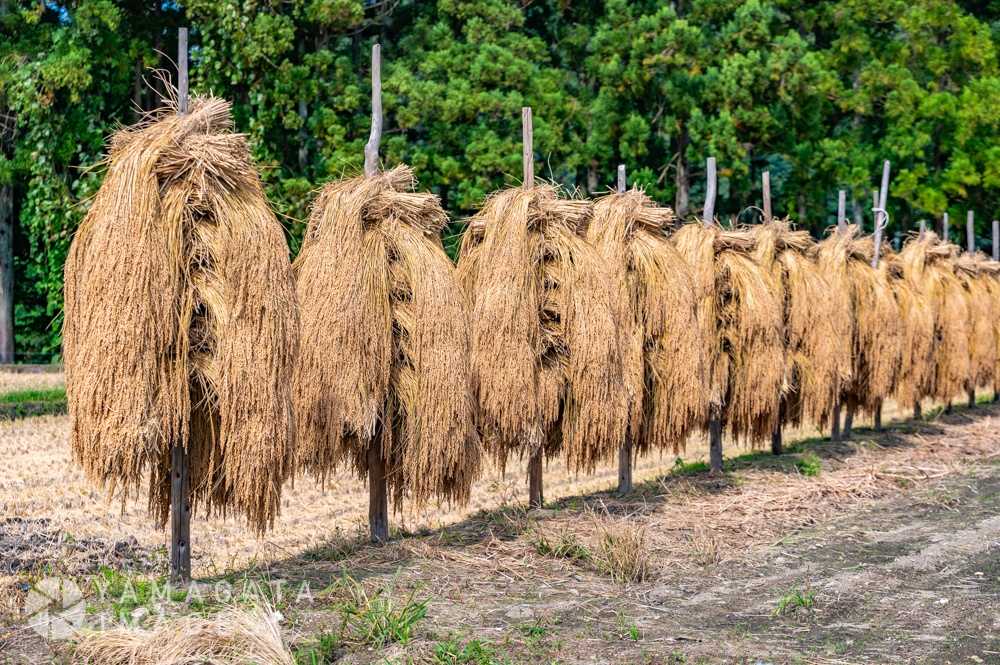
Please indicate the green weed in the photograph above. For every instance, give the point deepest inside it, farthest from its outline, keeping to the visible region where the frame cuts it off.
(808, 465)
(476, 652)
(794, 598)
(381, 617)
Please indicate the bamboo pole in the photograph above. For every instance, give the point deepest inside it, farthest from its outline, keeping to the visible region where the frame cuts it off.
(625, 452)
(944, 228)
(535, 495)
(715, 416)
(180, 463)
(766, 182)
(842, 211)
(923, 227)
(378, 499)
(970, 237)
(996, 240)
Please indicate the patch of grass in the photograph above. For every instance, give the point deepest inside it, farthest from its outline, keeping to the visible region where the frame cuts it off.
(51, 395)
(564, 546)
(627, 627)
(476, 652)
(318, 651)
(622, 550)
(378, 617)
(795, 598)
(808, 465)
(682, 468)
(335, 550)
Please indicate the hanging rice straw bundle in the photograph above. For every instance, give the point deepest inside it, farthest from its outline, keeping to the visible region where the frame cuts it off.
(991, 279)
(740, 318)
(815, 358)
(916, 320)
(982, 345)
(546, 351)
(181, 321)
(662, 345)
(876, 338)
(928, 262)
(385, 341)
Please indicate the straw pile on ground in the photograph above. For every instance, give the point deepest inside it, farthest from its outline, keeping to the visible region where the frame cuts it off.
(385, 341)
(740, 318)
(547, 357)
(815, 358)
(876, 337)
(916, 321)
(982, 315)
(181, 324)
(231, 637)
(659, 324)
(928, 262)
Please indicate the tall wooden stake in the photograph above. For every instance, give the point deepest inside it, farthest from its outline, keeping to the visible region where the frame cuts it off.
(625, 452)
(848, 424)
(881, 216)
(923, 227)
(835, 424)
(378, 499)
(996, 240)
(842, 211)
(766, 182)
(180, 480)
(970, 236)
(944, 228)
(535, 494)
(970, 232)
(715, 415)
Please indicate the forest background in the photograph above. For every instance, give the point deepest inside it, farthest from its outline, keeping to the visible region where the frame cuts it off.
(816, 92)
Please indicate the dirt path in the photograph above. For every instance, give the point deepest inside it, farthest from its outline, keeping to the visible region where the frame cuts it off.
(889, 554)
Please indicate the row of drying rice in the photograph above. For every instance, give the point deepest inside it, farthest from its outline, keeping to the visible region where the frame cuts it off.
(569, 328)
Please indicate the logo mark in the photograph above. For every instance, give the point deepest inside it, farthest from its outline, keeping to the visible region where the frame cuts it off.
(55, 608)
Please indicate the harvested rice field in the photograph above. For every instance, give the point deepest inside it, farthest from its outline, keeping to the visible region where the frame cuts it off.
(882, 549)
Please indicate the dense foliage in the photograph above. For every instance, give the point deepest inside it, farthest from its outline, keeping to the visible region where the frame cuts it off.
(817, 92)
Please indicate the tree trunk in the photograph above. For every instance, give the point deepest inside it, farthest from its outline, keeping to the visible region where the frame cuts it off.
(378, 499)
(303, 137)
(835, 425)
(625, 466)
(715, 444)
(535, 498)
(682, 200)
(6, 274)
(137, 108)
(592, 179)
(848, 424)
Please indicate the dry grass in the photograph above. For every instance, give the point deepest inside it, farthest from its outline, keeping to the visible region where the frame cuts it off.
(928, 262)
(11, 382)
(623, 546)
(971, 271)
(876, 335)
(385, 341)
(816, 362)
(741, 323)
(546, 349)
(233, 637)
(181, 322)
(916, 319)
(662, 354)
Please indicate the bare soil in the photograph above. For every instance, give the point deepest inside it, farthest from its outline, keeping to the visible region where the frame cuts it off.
(891, 554)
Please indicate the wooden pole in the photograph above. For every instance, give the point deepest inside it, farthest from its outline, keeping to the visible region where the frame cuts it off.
(944, 228)
(378, 496)
(842, 211)
(625, 452)
(535, 495)
(996, 240)
(970, 232)
(527, 148)
(180, 465)
(881, 216)
(848, 424)
(715, 415)
(371, 148)
(877, 425)
(709, 214)
(923, 227)
(835, 425)
(766, 177)
(378, 491)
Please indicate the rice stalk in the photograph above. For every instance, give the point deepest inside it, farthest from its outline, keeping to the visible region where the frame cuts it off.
(385, 341)
(815, 358)
(546, 354)
(970, 271)
(181, 325)
(740, 318)
(659, 326)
